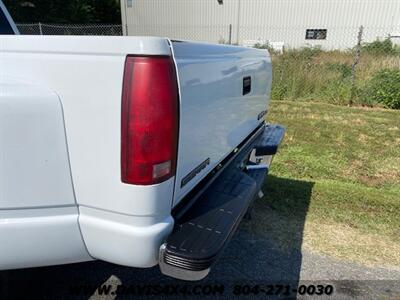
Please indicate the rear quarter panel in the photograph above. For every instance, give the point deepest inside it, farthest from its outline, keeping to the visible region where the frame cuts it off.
(119, 223)
(86, 73)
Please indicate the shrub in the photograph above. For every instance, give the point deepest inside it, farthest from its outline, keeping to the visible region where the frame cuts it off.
(267, 46)
(311, 74)
(262, 46)
(378, 47)
(336, 92)
(384, 87)
(304, 74)
(304, 53)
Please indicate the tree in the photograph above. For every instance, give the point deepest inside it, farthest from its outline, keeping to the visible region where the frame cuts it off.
(61, 11)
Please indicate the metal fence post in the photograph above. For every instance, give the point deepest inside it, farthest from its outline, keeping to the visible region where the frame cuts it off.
(40, 28)
(238, 23)
(230, 34)
(355, 63)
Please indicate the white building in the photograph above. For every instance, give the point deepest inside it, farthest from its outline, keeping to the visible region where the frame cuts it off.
(329, 23)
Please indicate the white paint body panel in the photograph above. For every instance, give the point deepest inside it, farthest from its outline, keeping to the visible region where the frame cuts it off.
(40, 237)
(33, 151)
(215, 116)
(124, 239)
(38, 212)
(66, 151)
(86, 75)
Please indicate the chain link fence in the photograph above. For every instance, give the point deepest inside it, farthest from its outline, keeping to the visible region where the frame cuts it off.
(69, 29)
(343, 66)
(366, 72)
(340, 65)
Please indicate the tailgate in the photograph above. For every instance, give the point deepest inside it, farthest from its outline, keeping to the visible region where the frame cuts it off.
(224, 93)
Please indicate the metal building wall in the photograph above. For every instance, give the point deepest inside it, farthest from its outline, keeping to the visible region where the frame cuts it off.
(265, 20)
(202, 20)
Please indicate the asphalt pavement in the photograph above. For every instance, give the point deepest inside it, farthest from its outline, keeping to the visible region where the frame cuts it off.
(248, 262)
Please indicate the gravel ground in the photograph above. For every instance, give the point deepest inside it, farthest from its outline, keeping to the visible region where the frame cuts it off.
(247, 260)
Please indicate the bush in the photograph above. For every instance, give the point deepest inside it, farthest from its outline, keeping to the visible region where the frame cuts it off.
(304, 53)
(267, 46)
(262, 46)
(378, 47)
(384, 87)
(311, 74)
(304, 74)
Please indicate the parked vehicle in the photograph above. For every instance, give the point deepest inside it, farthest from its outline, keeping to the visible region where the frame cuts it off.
(133, 150)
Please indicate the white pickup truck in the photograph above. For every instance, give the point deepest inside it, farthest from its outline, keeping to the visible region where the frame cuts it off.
(133, 150)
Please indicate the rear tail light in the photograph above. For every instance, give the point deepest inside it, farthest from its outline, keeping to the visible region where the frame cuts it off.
(149, 120)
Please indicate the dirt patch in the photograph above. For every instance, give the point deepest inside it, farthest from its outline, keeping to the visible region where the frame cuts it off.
(336, 240)
(349, 243)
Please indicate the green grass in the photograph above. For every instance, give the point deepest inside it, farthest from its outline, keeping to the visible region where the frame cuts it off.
(310, 74)
(361, 146)
(334, 186)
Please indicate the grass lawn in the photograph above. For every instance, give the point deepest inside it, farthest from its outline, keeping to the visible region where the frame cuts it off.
(334, 186)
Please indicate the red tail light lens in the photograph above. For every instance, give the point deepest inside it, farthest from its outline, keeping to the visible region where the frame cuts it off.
(149, 121)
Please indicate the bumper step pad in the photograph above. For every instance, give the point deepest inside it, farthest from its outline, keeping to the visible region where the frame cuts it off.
(270, 140)
(202, 232)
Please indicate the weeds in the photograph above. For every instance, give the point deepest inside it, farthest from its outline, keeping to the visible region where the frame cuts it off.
(313, 74)
(384, 87)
